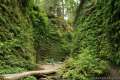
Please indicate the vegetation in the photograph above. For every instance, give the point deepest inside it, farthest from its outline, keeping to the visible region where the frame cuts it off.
(16, 38)
(83, 34)
(83, 67)
(97, 26)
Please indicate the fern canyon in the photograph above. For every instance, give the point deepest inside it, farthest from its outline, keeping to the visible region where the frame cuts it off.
(59, 39)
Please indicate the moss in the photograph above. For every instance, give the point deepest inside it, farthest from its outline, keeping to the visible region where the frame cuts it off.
(98, 30)
(97, 34)
(16, 37)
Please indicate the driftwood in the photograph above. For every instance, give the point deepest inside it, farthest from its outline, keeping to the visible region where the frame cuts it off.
(25, 74)
(48, 69)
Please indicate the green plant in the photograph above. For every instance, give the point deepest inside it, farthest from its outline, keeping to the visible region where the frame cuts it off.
(16, 38)
(96, 40)
(83, 67)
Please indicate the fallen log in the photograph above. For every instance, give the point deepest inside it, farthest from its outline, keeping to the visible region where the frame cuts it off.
(25, 74)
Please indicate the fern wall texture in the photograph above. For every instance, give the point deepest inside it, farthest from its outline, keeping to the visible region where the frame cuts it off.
(98, 36)
(16, 38)
(99, 30)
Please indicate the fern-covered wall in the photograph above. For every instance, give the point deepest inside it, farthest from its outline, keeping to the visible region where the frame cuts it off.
(99, 29)
(97, 35)
(16, 37)
(26, 30)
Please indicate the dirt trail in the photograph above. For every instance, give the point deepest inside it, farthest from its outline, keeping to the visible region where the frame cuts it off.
(49, 66)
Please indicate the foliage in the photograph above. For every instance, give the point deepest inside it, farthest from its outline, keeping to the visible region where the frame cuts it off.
(26, 5)
(49, 35)
(96, 30)
(23, 27)
(16, 38)
(83, 67)
(29, 31)
(9, 70)
(96, 34)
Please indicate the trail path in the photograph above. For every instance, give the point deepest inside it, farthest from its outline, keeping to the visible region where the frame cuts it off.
(44, 69)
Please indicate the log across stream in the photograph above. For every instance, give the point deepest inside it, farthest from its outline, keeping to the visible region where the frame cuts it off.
(46, 70)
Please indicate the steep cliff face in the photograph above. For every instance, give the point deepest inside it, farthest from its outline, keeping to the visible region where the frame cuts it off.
(99, 29)
(16, 37)
(98, 38)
